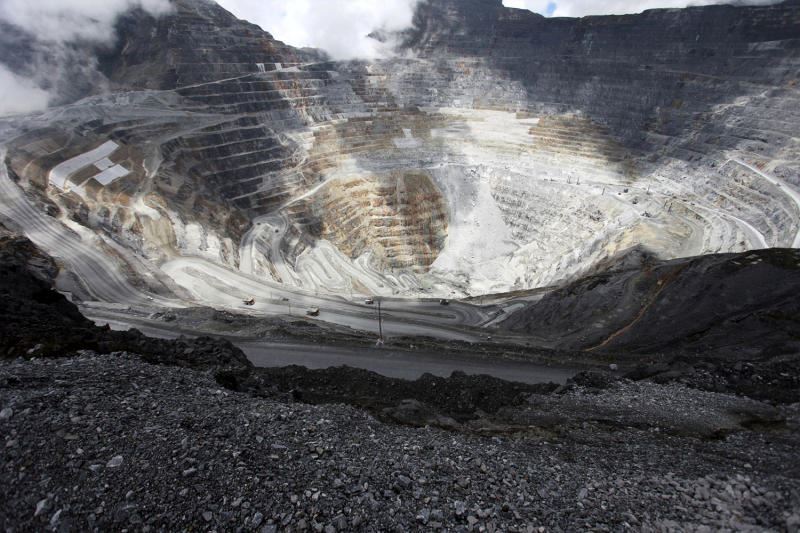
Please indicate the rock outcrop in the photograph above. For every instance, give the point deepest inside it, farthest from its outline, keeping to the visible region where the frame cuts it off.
(38, 321)
(735, 306)
(198, 42)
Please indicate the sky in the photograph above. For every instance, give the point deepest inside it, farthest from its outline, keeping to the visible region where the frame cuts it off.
(580, 8)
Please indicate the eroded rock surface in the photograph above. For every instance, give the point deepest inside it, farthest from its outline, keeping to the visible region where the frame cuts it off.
(728, 306)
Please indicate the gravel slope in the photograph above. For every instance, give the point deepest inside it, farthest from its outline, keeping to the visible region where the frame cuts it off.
(109, 442)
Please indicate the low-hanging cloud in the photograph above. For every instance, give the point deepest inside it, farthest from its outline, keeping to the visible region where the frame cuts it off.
(48, 67)
(20, 95)
(581, 8)
(63, 21)
(339, 27)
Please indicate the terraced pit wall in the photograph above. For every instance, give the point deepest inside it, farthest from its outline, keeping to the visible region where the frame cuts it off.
(538, 147)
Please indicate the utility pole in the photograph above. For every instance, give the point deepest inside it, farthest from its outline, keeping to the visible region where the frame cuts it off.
(380, 324)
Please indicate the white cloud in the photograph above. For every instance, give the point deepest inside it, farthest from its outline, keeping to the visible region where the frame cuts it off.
(54, 70)
(19, 95)
(340, 27)
(580, 8)
(72, 20)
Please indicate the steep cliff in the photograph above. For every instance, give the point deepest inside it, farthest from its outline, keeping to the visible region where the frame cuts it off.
(198, 42)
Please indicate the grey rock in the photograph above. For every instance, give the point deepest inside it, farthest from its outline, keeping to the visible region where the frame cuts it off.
(641, 477)
(460, 508)
(340, 522)
(42, 506)
(793, 523)
(424, 516)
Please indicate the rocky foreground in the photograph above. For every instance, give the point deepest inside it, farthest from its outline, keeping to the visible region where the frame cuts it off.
(111, 442)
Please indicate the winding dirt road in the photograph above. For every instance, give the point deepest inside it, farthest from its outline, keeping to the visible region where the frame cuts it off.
(210, 282)
(216, 286)
(785, 187)
(100, 275)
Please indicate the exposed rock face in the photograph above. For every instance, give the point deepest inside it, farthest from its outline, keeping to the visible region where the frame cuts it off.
(553, 144)
(401, 218)
(38, 321)
(198, 42)
(737, 306)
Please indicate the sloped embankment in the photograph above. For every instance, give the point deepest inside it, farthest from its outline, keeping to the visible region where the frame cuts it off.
(731, 306)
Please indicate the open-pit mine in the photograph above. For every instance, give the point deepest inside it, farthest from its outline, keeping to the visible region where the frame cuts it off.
(496, 151)
(520, 273)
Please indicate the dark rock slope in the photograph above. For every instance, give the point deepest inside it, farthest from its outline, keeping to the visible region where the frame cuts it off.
(197, 42)
(111, 443)
(650, 73)
(38, 321)
(734, 306)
